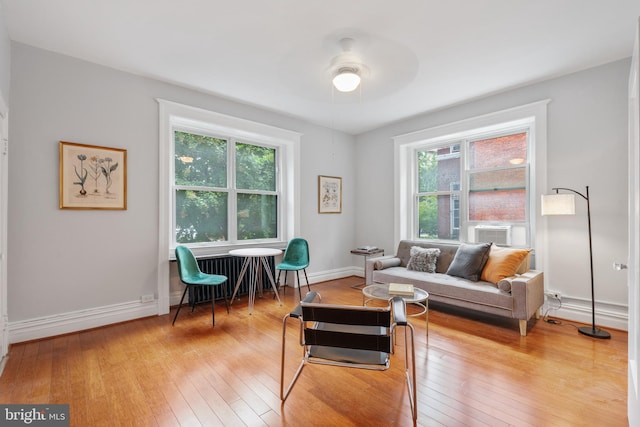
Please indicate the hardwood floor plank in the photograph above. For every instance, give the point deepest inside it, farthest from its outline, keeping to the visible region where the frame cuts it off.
(179, 406)
(229, 371)
(247, 414)
(198, 404)
(218, 405)
(475, 371)
(272, 419)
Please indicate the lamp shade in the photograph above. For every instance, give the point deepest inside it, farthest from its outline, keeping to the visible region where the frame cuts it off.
(347, 80)
(558, 204)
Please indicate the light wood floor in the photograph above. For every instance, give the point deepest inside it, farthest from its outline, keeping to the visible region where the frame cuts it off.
(476, 371)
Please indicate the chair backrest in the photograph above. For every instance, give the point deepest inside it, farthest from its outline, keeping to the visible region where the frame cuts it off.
(187, 264)
(297, 253)
(352, 327)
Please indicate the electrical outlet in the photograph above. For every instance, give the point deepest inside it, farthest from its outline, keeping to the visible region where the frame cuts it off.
(146, 298)
(554, 295)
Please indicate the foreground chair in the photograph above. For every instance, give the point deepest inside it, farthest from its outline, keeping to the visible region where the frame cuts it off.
(191, 276)
(350, 336)
(296, 258)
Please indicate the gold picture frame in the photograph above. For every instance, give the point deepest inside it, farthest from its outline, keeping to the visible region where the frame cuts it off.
(92, 177)
(329, 194)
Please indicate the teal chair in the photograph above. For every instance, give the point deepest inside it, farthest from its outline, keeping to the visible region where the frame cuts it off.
(296, 258)
(191, 276)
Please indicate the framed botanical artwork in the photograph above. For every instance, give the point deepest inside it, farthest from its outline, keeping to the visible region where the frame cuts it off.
(92, 177)
(329, 194)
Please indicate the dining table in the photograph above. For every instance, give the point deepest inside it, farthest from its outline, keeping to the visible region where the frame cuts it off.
(255, 262)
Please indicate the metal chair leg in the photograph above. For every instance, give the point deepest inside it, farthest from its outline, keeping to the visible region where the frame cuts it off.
(410, 370)
(286, 273)
(193, 296)
(213, 312)
(285, 393)
(179, 306)
(299, 284)
(284, 290)
(307, 279)
(224, 291)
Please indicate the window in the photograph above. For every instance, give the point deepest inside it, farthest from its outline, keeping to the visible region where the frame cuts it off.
(495, 190)
(225, 181)
(216, 175)
(454, 200)
(200, 188)
(437, 198)
(257, 198)
(498, 178)
(473, 180)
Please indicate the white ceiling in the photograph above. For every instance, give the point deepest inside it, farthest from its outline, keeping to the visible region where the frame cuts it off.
(421, 55)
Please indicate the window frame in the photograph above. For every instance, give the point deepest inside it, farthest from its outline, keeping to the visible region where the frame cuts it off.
(464, 191)
(507, 130)
(174, 116)
(170, 113)
(454, 200)
(533, 116)
(232, 191)
(450, 193)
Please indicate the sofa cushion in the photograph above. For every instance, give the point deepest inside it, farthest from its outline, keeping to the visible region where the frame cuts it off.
(423, 259)
(469, 261)
(450, 287)
(502, 263)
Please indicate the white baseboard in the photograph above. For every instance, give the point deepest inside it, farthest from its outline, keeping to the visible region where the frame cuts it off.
(609, 315)
(333, 274)
(65, 323)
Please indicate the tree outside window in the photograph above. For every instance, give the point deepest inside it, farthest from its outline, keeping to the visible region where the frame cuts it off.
(256, 184)
(206, 190)
(438, 188)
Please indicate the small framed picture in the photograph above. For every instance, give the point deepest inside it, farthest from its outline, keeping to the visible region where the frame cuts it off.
(92, 177)
(329, 194)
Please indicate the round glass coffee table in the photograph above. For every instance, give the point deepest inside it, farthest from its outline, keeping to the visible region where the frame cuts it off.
(380, 291)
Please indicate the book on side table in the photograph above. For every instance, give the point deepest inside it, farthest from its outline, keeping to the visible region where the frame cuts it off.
(401, 289)
(367, 248)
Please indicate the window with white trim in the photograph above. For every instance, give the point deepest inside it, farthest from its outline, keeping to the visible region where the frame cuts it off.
(225, 181)
(479, 181)
(473, 180)
(225, 190)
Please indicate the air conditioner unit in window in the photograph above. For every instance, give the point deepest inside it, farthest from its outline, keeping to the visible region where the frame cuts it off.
(498, 234)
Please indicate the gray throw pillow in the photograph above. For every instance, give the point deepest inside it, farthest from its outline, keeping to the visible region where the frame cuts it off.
(469, 261)
(423, 259)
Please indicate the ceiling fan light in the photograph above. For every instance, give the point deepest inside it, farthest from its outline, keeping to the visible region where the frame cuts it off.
(347, 80)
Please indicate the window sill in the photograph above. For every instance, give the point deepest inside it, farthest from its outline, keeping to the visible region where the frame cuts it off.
(201, 251)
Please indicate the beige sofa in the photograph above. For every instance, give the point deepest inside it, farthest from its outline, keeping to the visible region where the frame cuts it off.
(519, 296)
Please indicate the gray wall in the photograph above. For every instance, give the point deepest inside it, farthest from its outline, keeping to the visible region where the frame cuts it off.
(587, 145)
(63, 261)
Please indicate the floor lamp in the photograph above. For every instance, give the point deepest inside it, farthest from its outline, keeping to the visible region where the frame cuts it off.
(564, 204)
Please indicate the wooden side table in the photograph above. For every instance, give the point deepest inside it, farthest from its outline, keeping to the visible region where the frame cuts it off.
(366, 254)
